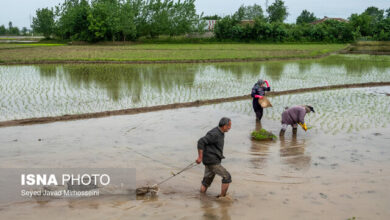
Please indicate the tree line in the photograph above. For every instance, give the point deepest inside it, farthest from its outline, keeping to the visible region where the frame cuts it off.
(372, 24)
(14, 31)
(104, 20)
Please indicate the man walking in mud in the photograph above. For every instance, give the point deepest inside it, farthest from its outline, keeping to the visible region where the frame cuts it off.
(210, 152)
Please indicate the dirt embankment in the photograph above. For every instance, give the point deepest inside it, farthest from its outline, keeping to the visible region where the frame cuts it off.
(368, 47)
(42, 120)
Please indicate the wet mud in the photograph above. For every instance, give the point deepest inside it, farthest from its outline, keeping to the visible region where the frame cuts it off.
(307, 175)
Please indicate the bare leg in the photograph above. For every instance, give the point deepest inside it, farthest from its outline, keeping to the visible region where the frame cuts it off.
(224, 189)
(258, 125)
(203, 189)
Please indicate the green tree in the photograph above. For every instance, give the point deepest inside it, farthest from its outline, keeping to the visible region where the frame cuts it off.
(299, 33)
(10, 25)
(168, 17)
(24, 31)
(377, 16)
(15, 31)
(3, 30)
(12, 30)
(383, 30)
(250, 12)
(183, 18)
(317, 33)
(99, 20)
(44, 22)
(127, 17)
(262, 30)
(159, 21)
(306, 17)
(73, 20)
(104, 22)
(372, 23)
(363, 23)
(223, 29)
(375, 13)
(277, 12)
(212, 17)
(153, 19)
(142, 14)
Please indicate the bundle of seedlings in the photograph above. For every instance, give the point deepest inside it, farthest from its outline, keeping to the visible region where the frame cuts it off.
(263, 135)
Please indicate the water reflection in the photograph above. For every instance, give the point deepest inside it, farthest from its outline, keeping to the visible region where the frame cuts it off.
(259, 150)
(214, 209)
(49, 90)
(357, 65)
(292, 152)
(118, 78)
(240, 69)
(274, 70)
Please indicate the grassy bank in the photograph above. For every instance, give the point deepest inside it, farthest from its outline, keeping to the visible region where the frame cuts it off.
(370, 47)
(26, 45)
(160, 52)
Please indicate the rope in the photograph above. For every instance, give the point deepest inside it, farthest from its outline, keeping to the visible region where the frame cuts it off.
(193, 164)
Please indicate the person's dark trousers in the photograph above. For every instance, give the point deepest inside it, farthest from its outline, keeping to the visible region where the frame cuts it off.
(258, 109)
(259, 113)
(295, 130)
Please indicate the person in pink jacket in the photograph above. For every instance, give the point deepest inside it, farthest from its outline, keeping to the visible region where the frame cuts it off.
(294, 116)
(258, 92)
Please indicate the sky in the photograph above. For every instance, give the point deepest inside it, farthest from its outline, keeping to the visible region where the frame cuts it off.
(21, 11)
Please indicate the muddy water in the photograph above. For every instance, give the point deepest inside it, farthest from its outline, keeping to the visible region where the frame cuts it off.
(53, 90)
(315, 175)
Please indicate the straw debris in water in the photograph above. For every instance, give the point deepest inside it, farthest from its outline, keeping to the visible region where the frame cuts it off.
(141, 191)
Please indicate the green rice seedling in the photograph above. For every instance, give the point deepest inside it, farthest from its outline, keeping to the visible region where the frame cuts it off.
(263, 135)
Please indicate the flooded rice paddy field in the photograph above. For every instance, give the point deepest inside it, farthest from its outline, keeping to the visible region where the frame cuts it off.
(338, 110)
(339, 169)
(54, 90)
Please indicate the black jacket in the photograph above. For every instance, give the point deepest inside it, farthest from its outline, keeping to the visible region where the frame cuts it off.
(258, 90)
(212, 146)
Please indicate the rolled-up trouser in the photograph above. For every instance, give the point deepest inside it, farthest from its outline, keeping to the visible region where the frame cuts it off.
(284, 126)
(211, 170)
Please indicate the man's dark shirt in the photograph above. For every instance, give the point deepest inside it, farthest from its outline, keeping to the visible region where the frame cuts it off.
(212, 146)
